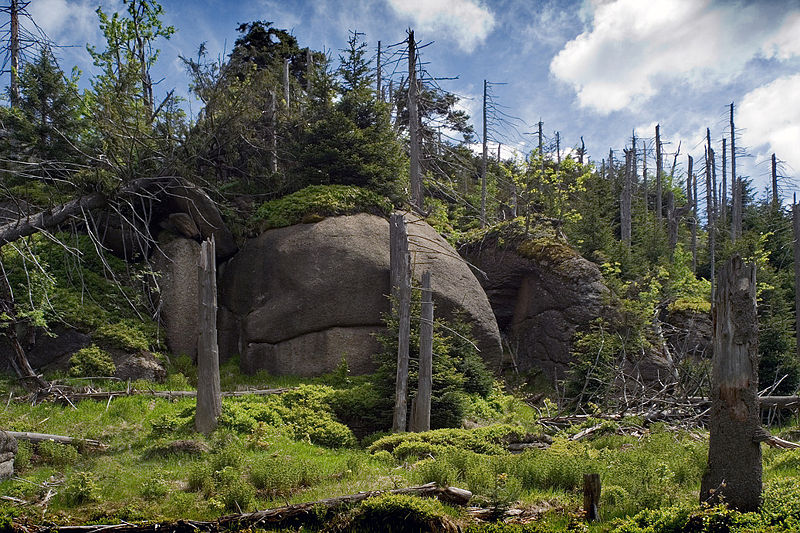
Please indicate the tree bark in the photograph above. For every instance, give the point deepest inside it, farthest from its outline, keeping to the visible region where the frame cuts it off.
(484, 159)
(734, 454)
(691, 191)
(625, 200)
(736, 187)
(421, 420)
(14, 53)
(710, 221)
(209, 400)
(775, 200)
(417, 199)
(796, 247)
(286, 82)
(659, 206)
(400, 261)
(591, 496)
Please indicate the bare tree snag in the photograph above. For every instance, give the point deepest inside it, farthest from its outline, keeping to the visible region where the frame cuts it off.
(724, 189)
(775, 200)
(796, 228)
(484, 159)
(644, 173)
(736, 187)
(286, 82)
(14, 53)
(421, 418)
(691, 192)
(400, 275)
(673, 220)
(659, 207)
(734, 453)
(310, 70)
(378, 76)
(625, 200)
(417, 199)
(710, 219)
(209, 400)
(273, 134)
(591, 496)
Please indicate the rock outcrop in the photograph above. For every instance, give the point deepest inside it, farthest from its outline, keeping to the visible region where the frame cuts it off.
(542, 292)
(296, 300)
(8, 449)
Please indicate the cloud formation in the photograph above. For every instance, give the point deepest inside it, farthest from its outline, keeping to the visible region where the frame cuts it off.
(632, 48)
(770, 119)
(468, 22)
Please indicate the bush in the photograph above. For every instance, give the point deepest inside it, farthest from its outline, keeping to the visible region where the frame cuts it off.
(395, 513)
(126, 334)
(56, 454)
(81, 488)
(91, 361)
(22, 460)
(279, 478)
(489, 440)
(155, 489)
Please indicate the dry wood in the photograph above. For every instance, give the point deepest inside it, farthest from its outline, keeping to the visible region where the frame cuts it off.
(42, 437)
(734, 456)
(400, 275)
(736, 187)
(625, 199)
(421, 419)
(484, 158)
(591, 496)
(209, 401)
(659, 207)
(796, 247)
(413, 126)
(278, 515)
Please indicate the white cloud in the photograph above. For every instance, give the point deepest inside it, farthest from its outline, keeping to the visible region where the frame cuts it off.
(634, 48)
(770, 119)
(468, 22)
(66, 22)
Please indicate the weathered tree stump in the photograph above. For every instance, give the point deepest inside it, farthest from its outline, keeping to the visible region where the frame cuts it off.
(209, 401)
(734, 452)
(591, 496)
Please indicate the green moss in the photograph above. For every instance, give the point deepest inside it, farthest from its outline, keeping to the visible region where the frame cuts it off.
(126, 334)
(554, 254)
(400, 512)
(316, 202)
(91, 361)
(490, 440)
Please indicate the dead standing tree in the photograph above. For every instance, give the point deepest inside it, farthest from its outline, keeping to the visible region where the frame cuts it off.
(421, 415)
(734, 453)
(209, 400)
(400, 274)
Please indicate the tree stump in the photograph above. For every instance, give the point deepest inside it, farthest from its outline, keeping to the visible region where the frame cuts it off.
(734, 453)
(209, 400)
(591, 496)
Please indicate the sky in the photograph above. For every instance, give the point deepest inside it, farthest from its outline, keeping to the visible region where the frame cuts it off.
(597, 69)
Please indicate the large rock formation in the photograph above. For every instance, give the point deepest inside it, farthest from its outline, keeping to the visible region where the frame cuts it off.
(542, 292)
(8, 449)
(296, 300)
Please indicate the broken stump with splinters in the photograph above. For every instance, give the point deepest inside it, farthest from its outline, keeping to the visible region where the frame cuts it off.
(734, 453)
(591, 496)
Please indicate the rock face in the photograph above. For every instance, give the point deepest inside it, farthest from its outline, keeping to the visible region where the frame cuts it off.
(8, 449)
(296, 300)
(142, 365)
(177, 261)
(542, 292)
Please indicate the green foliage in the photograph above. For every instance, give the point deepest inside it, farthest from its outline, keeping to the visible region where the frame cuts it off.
(22, 459)
(56, 454)
(280, 477)
(155, 488)
(127, 334)
(91, 361)
(316, 202)
(399, 513)
(489, 440)
(80, 488)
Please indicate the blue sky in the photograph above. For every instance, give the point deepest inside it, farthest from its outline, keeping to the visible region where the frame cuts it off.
(593, 68)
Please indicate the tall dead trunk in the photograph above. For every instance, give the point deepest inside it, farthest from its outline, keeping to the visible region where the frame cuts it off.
(209, 398)
(644, 174)
(691, 192)
(625, 201)
(378, 76)
(736, 187)
(775, 200)
(484, 160)
(417, 199)
(796, 228)
(273, 134)
(14, 53)
(421, 419)
(400, 275)
(672, 224)
(286, 82)
(734, 452)
(724, 190)
(710, 221)
(659, 207)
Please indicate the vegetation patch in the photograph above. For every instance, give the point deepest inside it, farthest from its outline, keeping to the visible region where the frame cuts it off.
(91, 362)
(317, 202)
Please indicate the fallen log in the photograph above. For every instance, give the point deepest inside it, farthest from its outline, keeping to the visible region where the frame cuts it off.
(451, 495)
(42, 437)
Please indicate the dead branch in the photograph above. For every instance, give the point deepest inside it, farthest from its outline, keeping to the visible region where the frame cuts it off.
(42, 437)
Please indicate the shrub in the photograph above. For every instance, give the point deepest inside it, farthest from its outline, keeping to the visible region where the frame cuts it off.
(490, 440)
(22, 460)
(91, 361)
(155, 489)
(81, 488)
(56, 454)
(126, 334)
(237, 495)
(281, 477)
(401, 513)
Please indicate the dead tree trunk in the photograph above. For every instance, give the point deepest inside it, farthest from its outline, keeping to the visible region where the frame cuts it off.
(775, 201)
(378, 75)
(209, 400)
(625, 201)
(273, 134)
(734, 452)
(400, 261)
(659, 206)
(417, 199)
(710, 220)
(644, 174)
(736, 187)
(672, 224)
(724, 188)
(796, 228)
(484, 160)
(286, 82)
(14, 53)
(691, 192)
(421, 420)
(591, 496)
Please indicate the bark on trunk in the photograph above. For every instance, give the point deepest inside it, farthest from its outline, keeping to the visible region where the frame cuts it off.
(400, 261)
(421, 420)
(734, 453)
(209, 400)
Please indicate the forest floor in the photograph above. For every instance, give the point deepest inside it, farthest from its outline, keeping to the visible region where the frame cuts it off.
(275, 450)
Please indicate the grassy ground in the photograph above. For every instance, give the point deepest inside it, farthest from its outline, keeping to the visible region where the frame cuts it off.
(270, 451)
